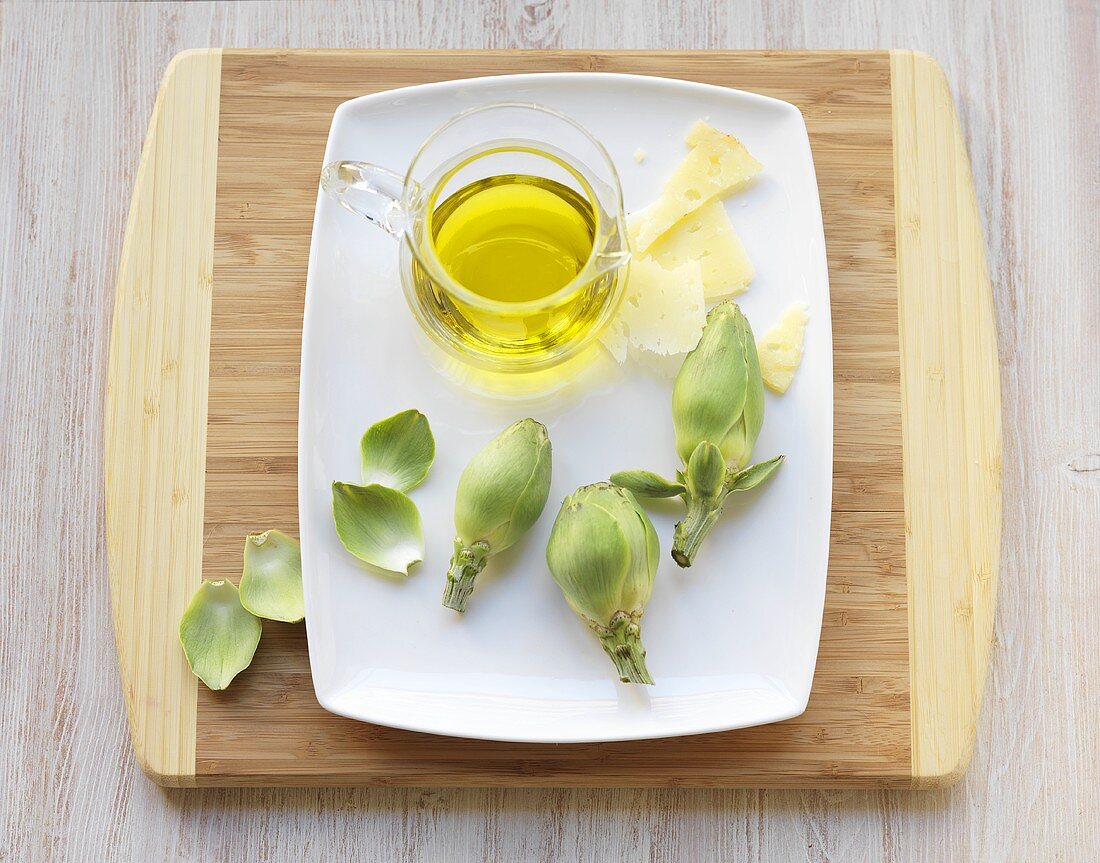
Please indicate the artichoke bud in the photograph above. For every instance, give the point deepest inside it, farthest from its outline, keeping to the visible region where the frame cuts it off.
(719, 394)
(706, 473)
(603, 554)
(501, 494)
(705, 477)
(717, 412)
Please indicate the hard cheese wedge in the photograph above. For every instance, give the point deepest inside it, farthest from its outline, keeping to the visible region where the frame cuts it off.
(717, 165)
(663, 310)
(780, 348)
(705, 236)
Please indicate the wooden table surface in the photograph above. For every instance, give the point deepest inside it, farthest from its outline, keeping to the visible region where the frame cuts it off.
(77, 83)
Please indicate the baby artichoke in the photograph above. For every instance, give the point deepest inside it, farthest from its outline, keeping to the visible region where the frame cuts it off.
(603, 554)
(719, 394)
(717, 412)
(501, 493)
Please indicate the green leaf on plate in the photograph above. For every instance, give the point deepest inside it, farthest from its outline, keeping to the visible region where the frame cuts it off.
(751, 476)
(379, 525)
(218, 635)
(271, 585)
(645, 483)
(398, 452)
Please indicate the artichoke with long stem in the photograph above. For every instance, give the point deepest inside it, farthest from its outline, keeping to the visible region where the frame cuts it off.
(717, 413)
(603, 554)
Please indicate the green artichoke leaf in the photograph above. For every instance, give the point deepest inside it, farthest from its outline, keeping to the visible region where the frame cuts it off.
(398, 451)
(735, 446)
(271, 584)
(647, 484)
(751, 476)
(379, 525)
(218, 635)
(752, 416)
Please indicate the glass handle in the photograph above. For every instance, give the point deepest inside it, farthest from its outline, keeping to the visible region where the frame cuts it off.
(369, 191)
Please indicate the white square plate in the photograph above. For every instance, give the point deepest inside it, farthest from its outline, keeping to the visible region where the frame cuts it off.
(732, 641)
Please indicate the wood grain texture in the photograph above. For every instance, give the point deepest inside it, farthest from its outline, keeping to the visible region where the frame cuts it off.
(82, 78)
(155, 424)
(271, 731)
(951, 418)
(275, 113)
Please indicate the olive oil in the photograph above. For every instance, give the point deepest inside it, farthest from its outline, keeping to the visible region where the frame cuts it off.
(514, 237)
(521, 248)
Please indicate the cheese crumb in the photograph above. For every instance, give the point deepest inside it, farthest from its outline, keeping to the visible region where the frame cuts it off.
(716, 165)
(663, 311)
(706, 236)
(780, 348)
(639, 155)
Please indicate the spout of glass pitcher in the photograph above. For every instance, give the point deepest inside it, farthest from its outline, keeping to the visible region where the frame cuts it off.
(370, 191)
(606, 262)
(614, 251)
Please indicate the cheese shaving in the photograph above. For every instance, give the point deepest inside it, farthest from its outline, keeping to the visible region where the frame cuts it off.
(780, 348)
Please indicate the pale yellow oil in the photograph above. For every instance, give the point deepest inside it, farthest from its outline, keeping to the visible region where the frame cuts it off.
(514, 239)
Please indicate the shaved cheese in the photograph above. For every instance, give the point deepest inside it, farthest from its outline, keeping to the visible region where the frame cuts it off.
(615, 339)
(663, 311)
(717, 165)
(780, 348)
(708, 237)
(702, 132)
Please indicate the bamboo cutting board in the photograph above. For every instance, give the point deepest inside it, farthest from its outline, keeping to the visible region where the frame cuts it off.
(202, 422)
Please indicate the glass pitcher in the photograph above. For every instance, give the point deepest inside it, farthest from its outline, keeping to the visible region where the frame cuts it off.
(514, 242)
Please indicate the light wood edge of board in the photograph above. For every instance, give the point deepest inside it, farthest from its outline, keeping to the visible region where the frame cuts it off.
(156, 412)
(951, 420)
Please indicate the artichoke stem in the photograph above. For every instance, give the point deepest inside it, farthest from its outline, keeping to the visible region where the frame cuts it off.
(466, 563)
(691, 532)
(622, 641)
